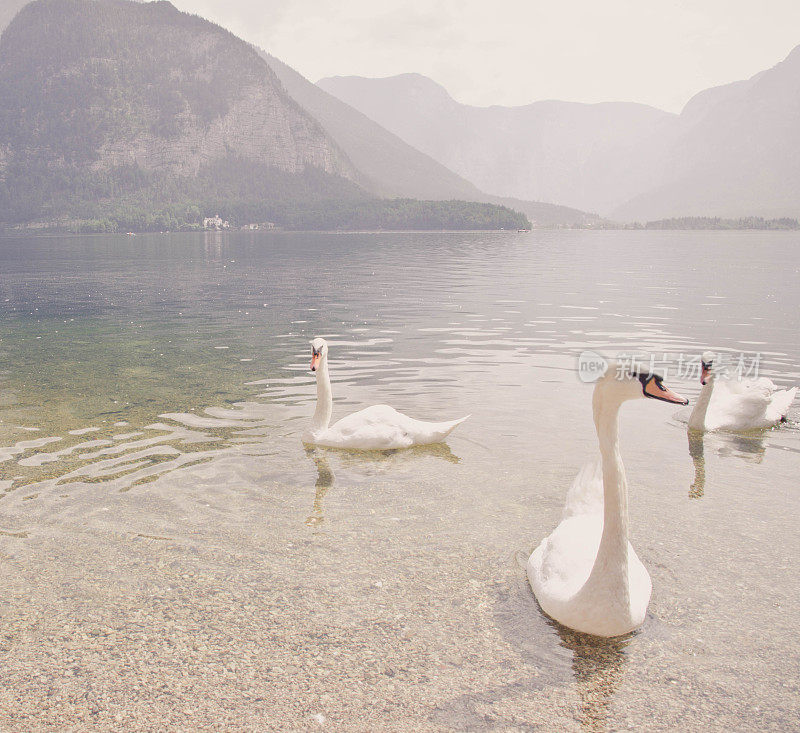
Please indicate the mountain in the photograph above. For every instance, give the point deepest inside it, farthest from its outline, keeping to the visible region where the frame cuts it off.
(391, 166)
(736, 152)
(112, 107)
(115, 106)
(8, 9)
(157, 88)
(119, 114)
(590, 156)
(94, 89)
(733, 151)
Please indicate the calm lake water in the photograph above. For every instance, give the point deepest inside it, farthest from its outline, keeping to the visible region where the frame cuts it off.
(172, 557)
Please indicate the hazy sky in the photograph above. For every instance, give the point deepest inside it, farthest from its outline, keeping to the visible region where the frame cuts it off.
(517, 51)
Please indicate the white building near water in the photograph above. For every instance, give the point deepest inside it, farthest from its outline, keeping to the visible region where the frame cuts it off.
(214, 222)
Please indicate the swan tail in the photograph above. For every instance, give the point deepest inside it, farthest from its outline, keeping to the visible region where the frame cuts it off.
(781, 402)
(441, 430)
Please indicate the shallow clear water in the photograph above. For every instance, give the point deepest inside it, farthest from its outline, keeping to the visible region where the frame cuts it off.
(173, 556)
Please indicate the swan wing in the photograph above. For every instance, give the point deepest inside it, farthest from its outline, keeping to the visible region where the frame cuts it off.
(747, 405)
(585, 495)
(561, 564)
(559, 568)
(640, 587)
(381, 427)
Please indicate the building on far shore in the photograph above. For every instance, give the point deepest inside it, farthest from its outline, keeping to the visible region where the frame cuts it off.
(214, 222)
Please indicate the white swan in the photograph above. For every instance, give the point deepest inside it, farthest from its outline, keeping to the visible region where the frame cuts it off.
(738, 405)
(586, 575)
(379, 427)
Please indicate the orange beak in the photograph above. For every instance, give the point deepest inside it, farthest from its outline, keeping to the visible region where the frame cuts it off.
(314, 361)
(658, 391)
(704, 373)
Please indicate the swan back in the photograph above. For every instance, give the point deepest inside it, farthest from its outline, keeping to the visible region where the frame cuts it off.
(381, 427)
(740, 405)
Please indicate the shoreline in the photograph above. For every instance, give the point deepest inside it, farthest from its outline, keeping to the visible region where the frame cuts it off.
(24, 234)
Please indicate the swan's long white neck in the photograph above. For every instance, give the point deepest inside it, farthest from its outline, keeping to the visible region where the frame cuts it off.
(697, 420)
(324, 410)
(609, 574)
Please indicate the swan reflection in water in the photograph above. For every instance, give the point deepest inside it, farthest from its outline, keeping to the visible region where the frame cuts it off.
(325, 479)
(696, 451)
(598, 666)
(369, 462)
(591, 667)
(750, 447)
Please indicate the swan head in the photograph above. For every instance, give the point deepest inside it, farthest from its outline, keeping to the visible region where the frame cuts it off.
(635, 381)
(707, 366)
(319, 352)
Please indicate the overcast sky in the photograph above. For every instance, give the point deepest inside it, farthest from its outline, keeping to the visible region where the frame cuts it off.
(484, 52)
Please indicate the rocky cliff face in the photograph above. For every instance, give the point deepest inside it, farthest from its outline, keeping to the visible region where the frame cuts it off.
(97, 84)
(258, 127)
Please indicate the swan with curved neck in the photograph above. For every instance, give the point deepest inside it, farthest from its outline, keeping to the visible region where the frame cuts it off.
(749, 404)
(379, 427)
(586, 575)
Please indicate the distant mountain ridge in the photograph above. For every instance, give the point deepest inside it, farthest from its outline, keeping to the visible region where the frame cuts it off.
(173, 99)
(733, 151)
(392, 167)
(588, 156)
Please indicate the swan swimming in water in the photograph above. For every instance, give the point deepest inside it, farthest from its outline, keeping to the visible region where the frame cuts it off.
(379, 427)
(586, 575)
(738, 405)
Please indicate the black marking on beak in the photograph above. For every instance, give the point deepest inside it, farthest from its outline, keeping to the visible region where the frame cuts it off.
(315, 354)
(659, 383)
(705, 367)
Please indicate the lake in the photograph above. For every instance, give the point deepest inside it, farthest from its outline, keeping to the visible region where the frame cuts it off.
(174, 558)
